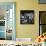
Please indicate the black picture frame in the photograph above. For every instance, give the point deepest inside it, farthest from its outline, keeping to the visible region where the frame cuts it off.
(43, 23)
(44, 2)
(26, 16)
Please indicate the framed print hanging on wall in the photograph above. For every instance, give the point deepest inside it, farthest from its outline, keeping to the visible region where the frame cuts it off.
(27, 17)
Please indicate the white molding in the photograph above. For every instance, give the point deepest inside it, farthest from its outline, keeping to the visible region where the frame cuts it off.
(24, 39)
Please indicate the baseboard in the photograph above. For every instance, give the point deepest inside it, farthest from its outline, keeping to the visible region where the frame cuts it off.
(24, 39)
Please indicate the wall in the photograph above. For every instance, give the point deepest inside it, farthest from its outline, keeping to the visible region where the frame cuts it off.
(24, 30)
(28, 31)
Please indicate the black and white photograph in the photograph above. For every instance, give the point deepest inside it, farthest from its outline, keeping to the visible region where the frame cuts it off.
(26, 17)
